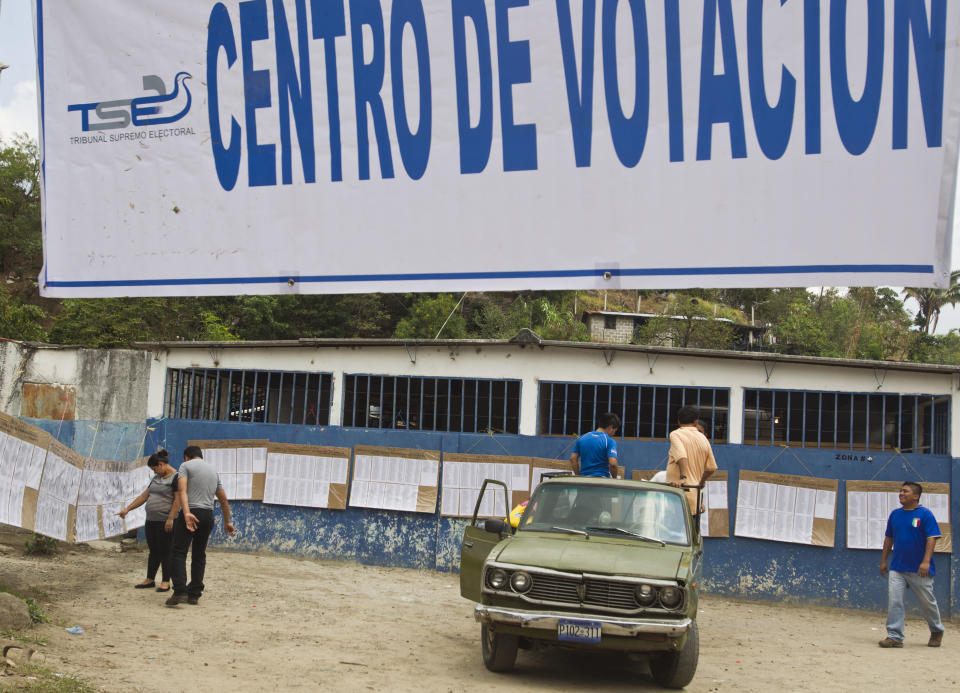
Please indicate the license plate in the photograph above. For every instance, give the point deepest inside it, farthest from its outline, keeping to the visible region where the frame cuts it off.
(578, 631)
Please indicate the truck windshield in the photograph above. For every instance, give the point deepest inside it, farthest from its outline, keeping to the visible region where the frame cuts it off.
(598, 510)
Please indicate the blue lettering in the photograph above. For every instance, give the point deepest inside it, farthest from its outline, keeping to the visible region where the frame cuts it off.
(297, 95)
(856, 120)
(629, 134)
(261, 158)
(772, 123)
(329, 21)
(519, 141)
(674, 78)
(579, 89)
(220, 35)
(414, 146)
(367, 83)
(475, 142)
(929, 47)
(811, 74)
(720, 100)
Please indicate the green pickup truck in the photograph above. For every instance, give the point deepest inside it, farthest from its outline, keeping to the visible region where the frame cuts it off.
(594, 563)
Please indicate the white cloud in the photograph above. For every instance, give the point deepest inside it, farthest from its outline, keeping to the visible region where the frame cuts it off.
(19, 112)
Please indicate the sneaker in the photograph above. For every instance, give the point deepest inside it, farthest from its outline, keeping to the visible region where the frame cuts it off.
(890, 642)
(175, 600)
(193, 600)
(935, 639)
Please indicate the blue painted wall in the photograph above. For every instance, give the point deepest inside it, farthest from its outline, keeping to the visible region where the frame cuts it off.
(749, 568)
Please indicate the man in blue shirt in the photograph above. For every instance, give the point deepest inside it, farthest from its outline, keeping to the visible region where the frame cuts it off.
(595, 453)
(912, 532)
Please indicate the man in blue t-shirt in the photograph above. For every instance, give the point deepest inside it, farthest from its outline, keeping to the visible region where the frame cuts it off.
(595, 453)
(912, 532)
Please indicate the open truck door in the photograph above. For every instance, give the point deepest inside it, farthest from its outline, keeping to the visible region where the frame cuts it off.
(479, 538)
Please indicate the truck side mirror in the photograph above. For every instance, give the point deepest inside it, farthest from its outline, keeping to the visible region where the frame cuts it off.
(495, 526)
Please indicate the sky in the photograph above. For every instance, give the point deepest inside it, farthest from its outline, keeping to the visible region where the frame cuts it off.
(18, 105)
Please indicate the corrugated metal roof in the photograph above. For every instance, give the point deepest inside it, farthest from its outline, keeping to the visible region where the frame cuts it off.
(530, 338)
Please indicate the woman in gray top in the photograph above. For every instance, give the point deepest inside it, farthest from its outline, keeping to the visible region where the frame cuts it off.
(162, 507)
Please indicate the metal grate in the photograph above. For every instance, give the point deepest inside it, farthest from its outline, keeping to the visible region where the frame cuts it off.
(847, 420)
(647, 412)
(553, 588)
(459, 405)
(253, 396)
(611, 595)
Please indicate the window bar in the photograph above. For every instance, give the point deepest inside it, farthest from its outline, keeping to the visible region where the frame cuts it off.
(803, 423)
(786, 435)
(596, 395)
(380, 404)
(476, 406)
(449, 397)
(306, 395)
(293, 389)
(204, 404)
(623, 410)
(773, 416)
(836, 414)
(610, 400)
(579, 411)
(899, 423)
(713, 414)
(850, 432)
(406, 421)
(253, 402)
(666, 431)
(320, 378)
(193, 387)
(266, 397)
(916, 442)
(566, 399)
(883, 423)
(550, 420)
(683, 396)
(653, 412)
(866, 440)
(819, 419)
(216, 400)
(506, 393)
(243, 381)
(229, 393)
(366, 408)
(436, 396)
(930, 416)
(176, 400)
(419, 420)
(756, 416)
(490, 406)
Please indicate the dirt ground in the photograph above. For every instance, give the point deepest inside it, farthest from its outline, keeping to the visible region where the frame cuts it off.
(281, 624)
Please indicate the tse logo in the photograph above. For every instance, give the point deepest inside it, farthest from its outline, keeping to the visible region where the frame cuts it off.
(144, 110)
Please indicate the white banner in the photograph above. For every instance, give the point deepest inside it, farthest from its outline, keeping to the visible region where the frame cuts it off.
(272, 146)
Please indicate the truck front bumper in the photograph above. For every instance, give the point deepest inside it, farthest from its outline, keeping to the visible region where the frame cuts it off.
(548, 620)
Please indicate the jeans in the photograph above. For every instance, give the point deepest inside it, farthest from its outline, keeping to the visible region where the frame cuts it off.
(922, 587)
(183, 539)
(159, 542)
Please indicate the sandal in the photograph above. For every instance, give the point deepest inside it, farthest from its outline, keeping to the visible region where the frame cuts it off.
(145, 585)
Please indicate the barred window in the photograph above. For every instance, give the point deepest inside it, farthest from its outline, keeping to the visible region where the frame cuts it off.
(256, 396)
(847, 420)
(461, 405)
(647, 412)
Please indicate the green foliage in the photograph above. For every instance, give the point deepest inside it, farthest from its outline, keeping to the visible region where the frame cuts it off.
(20, 237)
(690, 323)
(19, 320)
(36, 611)
(427, 316)
(37, 544)
(41, 679)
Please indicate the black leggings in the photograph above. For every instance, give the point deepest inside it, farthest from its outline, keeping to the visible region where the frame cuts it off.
(159, 543)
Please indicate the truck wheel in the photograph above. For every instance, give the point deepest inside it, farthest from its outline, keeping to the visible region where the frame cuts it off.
(676, 669)
(499, 650)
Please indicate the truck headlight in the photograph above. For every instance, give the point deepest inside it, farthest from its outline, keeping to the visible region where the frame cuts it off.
(497, 578)
(521, 581)
(645, 595)
(671, 597)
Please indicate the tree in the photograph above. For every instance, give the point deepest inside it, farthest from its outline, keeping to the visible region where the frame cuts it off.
(689, 324)
(20, 321)
(931, 301)
(20, 237)
(800, 331)
(427, 316)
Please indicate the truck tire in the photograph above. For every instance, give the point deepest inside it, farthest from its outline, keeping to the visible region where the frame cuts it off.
(499, 649)
(677, 669)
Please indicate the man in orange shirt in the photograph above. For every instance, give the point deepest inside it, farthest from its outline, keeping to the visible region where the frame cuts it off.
(691, 459)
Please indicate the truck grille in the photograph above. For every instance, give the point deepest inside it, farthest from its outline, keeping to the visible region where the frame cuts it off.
(602, 593)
